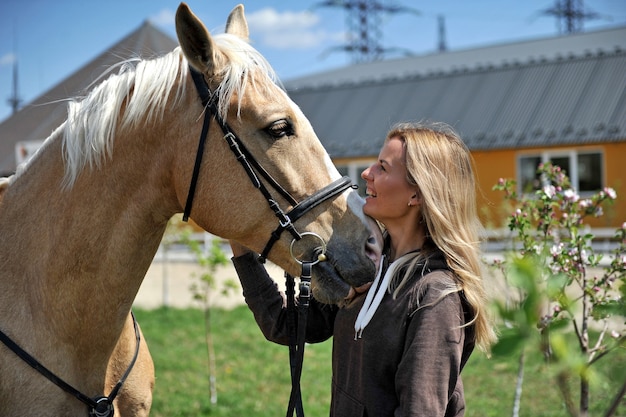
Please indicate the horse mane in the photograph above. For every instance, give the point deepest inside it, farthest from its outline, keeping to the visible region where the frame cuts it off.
(139, 93)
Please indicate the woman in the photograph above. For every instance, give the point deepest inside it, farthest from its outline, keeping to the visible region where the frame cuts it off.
(399, 349)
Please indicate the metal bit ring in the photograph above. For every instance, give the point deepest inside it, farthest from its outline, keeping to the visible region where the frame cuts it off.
(321, 257)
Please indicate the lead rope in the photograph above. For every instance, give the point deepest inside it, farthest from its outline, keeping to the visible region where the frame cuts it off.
(297, 334)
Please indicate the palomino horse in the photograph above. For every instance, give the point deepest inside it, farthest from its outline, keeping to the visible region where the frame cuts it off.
(83, 219)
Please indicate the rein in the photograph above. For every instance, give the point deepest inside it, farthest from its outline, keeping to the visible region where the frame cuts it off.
(297, 333)
(254, 169)
(101, 406)
(296, 323)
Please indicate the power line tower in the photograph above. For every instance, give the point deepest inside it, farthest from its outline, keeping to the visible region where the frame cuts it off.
(570, 15)
(364, 21)
(14, 100)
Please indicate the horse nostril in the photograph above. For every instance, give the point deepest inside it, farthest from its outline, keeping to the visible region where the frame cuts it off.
(373, 249)
(374, 243)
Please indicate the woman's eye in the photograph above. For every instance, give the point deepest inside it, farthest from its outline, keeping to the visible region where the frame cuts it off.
(280, 129)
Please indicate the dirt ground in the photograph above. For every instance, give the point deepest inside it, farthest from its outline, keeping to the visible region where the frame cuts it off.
(169, 283)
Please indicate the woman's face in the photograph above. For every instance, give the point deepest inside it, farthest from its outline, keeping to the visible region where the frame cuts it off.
(388, 191)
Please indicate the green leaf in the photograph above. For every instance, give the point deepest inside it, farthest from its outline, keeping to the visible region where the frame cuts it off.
(509, 342)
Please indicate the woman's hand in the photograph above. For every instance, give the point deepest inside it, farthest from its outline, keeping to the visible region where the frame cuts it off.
(354, 293)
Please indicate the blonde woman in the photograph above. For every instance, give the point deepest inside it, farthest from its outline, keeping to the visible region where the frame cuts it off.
(400, 344)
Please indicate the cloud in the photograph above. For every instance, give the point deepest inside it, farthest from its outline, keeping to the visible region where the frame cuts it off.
(284, 30)
(7, 59)
(164, 18)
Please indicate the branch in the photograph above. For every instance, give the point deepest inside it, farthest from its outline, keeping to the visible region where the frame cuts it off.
(594, 350)
(578, 335)
(607, 351)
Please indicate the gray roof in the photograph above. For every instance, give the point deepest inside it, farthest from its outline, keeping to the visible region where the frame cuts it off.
(38, 119)
(567, 90)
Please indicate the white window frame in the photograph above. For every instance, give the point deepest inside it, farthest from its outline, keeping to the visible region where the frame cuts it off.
(572, 155)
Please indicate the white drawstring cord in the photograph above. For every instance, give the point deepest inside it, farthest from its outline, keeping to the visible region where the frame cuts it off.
(358, 324)
(375, 295)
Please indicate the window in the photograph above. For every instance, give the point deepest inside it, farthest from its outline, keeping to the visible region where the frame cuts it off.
(354, 171)
(528, 178)
(590, 172)
(584, 169)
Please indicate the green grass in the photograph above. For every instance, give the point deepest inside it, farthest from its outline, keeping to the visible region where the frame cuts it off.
(253, 374)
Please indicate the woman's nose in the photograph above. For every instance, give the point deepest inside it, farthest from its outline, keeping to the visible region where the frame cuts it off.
(366, 173)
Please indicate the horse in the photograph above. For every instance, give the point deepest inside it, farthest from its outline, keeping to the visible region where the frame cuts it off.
(82, 220)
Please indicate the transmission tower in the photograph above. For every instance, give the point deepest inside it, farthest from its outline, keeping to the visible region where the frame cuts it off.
(364, 21)
(570, 15)
(15, 100)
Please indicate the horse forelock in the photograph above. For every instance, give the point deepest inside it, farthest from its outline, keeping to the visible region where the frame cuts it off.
(145, 86)
(242, 63)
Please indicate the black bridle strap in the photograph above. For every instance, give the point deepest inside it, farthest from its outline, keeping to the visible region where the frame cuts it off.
(205, 97)
(241, 153)
(93, 404)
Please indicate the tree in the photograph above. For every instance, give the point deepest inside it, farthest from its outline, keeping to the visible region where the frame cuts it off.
(210, 258)
(558, 292)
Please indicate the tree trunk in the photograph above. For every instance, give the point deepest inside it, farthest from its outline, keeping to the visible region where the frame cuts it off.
(518, 387)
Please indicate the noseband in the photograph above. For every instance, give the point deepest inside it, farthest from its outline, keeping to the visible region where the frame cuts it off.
(254, 169)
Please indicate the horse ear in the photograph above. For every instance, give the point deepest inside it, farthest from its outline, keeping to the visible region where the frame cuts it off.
(236, 23)
(195, 40)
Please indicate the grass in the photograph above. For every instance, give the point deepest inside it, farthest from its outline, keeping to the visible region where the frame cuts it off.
(253, 374)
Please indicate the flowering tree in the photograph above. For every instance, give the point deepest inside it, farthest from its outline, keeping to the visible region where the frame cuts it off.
(554, 268)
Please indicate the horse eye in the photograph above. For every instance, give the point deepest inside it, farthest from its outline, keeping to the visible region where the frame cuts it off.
(280, 129)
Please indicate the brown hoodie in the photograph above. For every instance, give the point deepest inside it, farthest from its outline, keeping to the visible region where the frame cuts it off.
(407, 361)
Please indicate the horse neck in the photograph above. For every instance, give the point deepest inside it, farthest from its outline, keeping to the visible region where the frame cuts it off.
(82, 251)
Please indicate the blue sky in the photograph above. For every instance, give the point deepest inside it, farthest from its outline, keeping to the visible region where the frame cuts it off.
(52, 39)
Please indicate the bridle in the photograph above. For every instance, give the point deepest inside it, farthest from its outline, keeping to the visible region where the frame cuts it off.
(253, 168)
(297, 315)
(101, 406)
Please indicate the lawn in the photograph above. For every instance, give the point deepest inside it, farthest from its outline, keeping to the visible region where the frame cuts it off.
(253, 374)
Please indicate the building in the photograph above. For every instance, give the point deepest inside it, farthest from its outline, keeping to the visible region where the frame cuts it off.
(561, 99)
(23, 133)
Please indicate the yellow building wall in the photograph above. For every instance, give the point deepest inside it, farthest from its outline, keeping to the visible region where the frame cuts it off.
(493, 165)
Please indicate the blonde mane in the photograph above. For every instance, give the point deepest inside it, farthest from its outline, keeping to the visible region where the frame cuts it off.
(144, 87)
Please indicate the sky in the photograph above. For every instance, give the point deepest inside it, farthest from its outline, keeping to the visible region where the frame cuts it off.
(52, 39)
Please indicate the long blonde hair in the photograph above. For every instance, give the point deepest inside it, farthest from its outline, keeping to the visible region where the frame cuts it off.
(440, 165)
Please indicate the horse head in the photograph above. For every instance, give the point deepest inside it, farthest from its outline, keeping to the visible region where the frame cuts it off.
(248, 109)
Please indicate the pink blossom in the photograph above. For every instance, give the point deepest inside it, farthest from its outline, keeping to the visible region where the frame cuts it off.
(610, 192)
(570, 195)
(549, 191)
